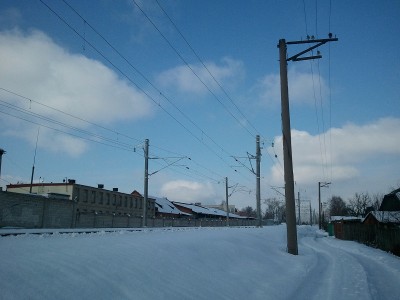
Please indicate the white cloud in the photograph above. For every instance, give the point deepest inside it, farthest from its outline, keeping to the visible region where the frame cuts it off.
(301, 88)
(189, 191)
(36, 67)
(184, 80)
(353, 147)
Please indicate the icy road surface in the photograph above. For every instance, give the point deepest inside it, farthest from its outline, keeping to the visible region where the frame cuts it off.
(205, 263)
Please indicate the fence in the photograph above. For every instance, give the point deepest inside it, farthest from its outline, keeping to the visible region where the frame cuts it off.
(27, 211)
(91, 220)
(386, 238)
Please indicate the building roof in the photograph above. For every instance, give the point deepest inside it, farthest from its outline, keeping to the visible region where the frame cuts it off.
(165, 206)
(198, 209)
(391, 201)
(385, 216)
(345, 218)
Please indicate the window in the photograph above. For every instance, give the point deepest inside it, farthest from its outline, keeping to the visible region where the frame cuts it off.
(85, 195)
(120, 201)
(108, 199)
(135, 202)
(76, 198)
(126, 201)
(101, 198)
(131, 203)
(114, 202)
(93, 196)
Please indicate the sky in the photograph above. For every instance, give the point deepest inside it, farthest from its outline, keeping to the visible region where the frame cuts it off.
(84, 83)
(196, 263)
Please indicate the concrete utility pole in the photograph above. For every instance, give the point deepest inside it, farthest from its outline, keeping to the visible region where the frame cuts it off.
(292, 246)
(258, 161)
(34, 161)
(2, 151)
(298, 198)
(146, 181)
(320, 185)
(227, 201)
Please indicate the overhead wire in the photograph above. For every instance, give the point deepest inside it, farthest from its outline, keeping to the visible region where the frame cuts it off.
(211, 75)
(134, 83)
(330, 92)
(323, 160)
(107, 141)
(149, 82)
(191, 68)
(206, 68)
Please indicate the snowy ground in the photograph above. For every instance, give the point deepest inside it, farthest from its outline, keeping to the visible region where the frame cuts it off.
(205, 263)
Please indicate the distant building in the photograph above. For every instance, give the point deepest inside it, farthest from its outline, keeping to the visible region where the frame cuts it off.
(166, 209)
(391, 201)
(199, 211)
(222, 206)
(90, 199)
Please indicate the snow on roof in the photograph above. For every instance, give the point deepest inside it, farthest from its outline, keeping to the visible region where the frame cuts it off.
(163, 205)
(344, 218)
(386, 216)
(206, 210)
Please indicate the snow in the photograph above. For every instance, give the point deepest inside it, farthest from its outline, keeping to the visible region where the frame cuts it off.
(345, 218)
(207, 210)
(194, 263)
(386, 216)
(165, 206)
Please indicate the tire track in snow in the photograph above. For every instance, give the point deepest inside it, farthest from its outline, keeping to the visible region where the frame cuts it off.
(332, 273)
(382, 277)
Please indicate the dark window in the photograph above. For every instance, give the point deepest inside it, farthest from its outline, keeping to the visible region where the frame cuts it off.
(108, 199)
(126, 201)
(101, 198)
(114, 202)
(85, 195)
(93, 196)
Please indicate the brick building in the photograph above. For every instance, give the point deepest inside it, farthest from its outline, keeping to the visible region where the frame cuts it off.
(90, 199)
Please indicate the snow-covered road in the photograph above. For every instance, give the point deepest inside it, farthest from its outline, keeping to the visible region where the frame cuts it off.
(347, 270)
(205, 263)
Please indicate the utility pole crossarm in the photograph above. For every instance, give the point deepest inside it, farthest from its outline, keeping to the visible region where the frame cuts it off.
(320, 43)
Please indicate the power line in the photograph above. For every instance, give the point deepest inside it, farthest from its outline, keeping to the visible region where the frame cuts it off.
(205, 67)
(155, 102)
(66, 132)
(191, 69)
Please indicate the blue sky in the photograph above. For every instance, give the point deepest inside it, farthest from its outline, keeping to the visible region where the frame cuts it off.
(60, 56)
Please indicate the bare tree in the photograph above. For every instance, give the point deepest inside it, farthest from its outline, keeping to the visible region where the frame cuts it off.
(377, 200)
(275, 209)
(359, 203)
(337, 206)
(248, 211)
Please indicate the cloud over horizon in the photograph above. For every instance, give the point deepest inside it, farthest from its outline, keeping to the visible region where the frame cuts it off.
(189, 191)
(39, 69)
(352, 147)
